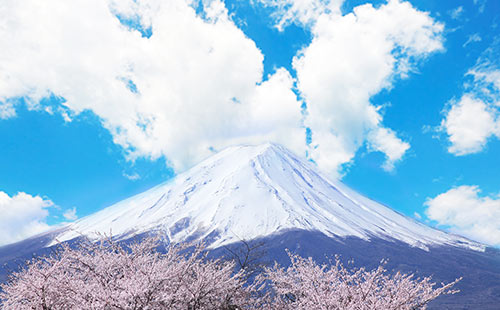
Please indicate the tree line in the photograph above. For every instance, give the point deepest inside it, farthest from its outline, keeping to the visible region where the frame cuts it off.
(108, 275)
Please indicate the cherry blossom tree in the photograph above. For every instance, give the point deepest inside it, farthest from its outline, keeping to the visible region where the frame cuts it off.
(107, 275)
(305, 285)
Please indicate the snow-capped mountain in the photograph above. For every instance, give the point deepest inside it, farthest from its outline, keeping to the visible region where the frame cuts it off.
(266, 195)
(248, 192)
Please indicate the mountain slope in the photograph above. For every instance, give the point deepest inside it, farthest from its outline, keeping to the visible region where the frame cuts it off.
(246, 192)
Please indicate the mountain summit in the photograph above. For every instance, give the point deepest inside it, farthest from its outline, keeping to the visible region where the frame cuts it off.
(247, 192)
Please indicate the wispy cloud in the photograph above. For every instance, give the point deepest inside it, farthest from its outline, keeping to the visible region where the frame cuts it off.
(472, 38)
(457, 12)
(302, 12)
(132, 177)
(481, 5)
(70, 214)
(7, 110)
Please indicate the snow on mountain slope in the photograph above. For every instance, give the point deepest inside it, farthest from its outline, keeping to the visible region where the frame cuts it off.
(246, 192)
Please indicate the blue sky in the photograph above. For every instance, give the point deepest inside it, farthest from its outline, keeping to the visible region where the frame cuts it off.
(399, 99)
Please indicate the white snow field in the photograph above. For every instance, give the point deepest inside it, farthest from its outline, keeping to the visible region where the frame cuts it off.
(246, 192)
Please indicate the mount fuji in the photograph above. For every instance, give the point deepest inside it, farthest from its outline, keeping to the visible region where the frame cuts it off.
(266, 193)
(247, 192)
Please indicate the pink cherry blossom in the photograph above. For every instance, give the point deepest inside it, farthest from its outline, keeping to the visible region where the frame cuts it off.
(108, 275)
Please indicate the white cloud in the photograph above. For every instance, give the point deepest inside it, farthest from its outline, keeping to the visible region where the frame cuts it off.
(467, 213)
(195, 84)
(350, 59)
(469, 123)
(384, 140)
(22, 216)
(474, 119)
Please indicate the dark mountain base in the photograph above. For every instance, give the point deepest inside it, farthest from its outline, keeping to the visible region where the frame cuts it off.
(480, 287)
(13, 256)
